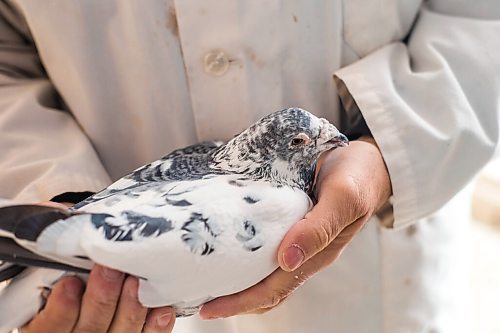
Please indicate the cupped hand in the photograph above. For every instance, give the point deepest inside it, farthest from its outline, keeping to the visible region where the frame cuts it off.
(352, 183)
(108, 303)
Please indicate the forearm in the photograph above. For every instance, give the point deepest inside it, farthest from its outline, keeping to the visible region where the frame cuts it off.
(432, 107)
(43, 150)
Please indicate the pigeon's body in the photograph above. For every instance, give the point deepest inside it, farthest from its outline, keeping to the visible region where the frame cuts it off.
(202, 222)
(210, 228)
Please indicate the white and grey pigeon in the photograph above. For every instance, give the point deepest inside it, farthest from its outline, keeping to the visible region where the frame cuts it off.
(201, 222)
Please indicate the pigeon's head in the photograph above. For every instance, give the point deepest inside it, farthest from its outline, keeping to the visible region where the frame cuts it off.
(282, 147)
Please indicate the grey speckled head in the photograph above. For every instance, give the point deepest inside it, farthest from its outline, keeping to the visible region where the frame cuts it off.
(282, 147)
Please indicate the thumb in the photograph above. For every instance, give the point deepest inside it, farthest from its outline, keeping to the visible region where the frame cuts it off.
(315, 232)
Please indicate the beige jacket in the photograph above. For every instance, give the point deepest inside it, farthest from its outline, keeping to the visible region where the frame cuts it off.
(89, 90)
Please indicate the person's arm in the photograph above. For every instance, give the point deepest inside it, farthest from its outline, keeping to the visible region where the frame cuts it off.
(43, 153)
(43, 150)
(432, 105)
(433, 109)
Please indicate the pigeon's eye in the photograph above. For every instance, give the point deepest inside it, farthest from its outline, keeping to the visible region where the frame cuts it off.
(300, 140)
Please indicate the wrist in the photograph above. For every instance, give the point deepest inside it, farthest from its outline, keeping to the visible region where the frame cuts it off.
(383, 186)
(360, 165)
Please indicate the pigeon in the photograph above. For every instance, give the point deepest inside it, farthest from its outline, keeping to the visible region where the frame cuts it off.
(202, 222)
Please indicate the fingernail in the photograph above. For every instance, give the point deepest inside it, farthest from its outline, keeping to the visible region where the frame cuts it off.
(111, 274)
(293, 257)
(72, 289)
(163, 320)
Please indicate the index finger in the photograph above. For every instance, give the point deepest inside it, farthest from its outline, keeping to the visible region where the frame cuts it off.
(100, 299)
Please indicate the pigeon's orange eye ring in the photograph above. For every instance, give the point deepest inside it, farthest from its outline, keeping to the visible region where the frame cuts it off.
(300, 139)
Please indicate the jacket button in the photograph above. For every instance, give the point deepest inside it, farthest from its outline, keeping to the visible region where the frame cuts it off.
(216, 62)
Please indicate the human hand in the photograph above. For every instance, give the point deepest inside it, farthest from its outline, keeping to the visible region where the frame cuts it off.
(352, 183)
(108, 303)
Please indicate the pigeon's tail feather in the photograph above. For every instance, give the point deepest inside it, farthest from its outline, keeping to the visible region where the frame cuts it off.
(41, 236)
(10, 270)
(28, 221)
(21, 299)
(14, 259)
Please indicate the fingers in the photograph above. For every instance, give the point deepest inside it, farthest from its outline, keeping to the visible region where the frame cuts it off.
(266, 294)
(100, 299)
(104, 307)
(130, 314)
(307, 237)
(107, 306)
(316, 231)
(61, 311)
(160, 320)
(274, 289)
(343, 199)
(259, 298)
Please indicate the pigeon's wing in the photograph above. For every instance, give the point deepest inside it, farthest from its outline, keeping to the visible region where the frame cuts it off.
(181, 164)
(9, 270)
(203, 239)
(186, 163)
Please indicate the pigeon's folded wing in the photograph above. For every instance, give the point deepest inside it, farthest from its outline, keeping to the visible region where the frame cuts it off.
(186, 163)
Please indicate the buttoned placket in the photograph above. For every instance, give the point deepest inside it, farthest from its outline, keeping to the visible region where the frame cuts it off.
(243, 62)
(216, 62)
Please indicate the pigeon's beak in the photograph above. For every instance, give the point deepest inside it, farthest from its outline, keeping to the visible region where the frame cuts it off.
(339, 141)
(330, 136)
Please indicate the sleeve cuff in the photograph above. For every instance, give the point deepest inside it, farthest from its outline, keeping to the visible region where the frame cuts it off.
(373, 106)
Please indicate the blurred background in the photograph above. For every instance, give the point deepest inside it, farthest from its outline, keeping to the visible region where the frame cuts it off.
(485, 251)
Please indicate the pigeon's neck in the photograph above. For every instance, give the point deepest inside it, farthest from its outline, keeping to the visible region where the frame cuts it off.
(281, 173)
(236, 158)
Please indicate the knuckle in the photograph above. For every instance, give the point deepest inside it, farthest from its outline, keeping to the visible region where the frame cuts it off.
(133, 318)
(131, 284)
(273, 301)
(103, 302)
(106, 300)
(277, 296)
(324, 233)
(355, 197)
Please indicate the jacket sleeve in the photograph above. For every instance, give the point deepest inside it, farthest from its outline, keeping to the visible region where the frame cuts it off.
(43, 151)
(432, 104)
